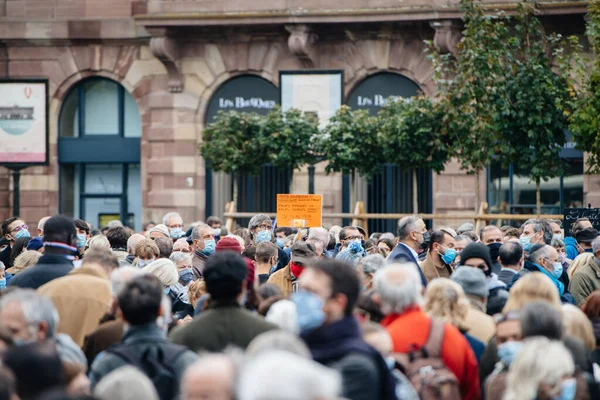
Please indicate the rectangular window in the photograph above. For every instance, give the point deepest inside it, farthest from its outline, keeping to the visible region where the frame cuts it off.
(101, 107)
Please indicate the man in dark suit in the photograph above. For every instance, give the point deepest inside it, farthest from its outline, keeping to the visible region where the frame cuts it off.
(511, 258)
(412, 237)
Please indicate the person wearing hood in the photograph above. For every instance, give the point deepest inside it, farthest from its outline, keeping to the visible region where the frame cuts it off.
(477, 255)
(440, 256)
(545, 259)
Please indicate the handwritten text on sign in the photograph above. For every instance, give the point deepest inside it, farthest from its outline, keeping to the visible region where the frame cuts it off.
(299, 210)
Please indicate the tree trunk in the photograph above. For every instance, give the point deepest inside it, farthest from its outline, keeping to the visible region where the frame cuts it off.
(415, 188)
(235, 188)
(352, 190)
(477, 189)
(538, 197)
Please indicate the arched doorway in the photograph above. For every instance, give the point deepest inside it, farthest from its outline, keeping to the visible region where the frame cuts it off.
(245, 93)
(99, 154)
(389, 191)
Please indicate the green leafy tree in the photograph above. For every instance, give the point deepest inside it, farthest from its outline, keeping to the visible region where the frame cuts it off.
(535, 127)
(472, 90)
(412, 137)
(350, 144)
(584, 79)
(289, 137)
(232, 144)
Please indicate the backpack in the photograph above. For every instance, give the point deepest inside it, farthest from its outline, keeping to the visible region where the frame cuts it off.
(426, 370)
(156, 362)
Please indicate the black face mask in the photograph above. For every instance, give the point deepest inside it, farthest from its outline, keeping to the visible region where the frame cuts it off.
(494, 250)
(426, 240)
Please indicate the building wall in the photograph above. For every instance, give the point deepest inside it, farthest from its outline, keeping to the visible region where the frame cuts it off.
(51, 39)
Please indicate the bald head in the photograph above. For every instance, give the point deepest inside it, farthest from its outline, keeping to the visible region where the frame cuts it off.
(41, 224)
(181, 245)
(133, 241)
(210, 377)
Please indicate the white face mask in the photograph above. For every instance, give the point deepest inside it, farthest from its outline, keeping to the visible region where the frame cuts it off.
(143, 263)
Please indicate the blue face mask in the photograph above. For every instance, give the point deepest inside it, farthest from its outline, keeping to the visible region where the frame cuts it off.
(186, 275)
(280, 243)
(81, 240)
(449, 256)
(568, 388)
(209, 246)
(2, 283)
(166, 291)
(557, 236)
(558, 270)
(176, 233)
(355, 247)
(309, 311)
(23, 233)
(263, 236)
(508, 351)
(525, 242)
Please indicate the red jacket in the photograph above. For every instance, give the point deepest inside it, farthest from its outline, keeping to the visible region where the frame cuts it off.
(412, 328)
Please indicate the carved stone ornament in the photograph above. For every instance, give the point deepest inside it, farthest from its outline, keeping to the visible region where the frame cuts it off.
(167, 51)
(447, 36)
(302, 44)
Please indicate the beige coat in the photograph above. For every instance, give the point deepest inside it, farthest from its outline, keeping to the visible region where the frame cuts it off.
(283, 280)
(81, 298)
(481, 326)
(431, 271)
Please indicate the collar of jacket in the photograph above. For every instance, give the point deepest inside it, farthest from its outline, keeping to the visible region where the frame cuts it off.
(201, 255)
(59, 259)
(89, 271)
(224, 303)
(144, 333)
(596, 266)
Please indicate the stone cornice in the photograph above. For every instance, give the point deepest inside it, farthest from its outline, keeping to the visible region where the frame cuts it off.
(409, 13)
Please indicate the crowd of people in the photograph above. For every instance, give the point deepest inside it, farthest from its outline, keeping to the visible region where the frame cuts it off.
(192, 311)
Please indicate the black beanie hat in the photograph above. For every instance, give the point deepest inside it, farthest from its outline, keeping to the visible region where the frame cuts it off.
(476, 250)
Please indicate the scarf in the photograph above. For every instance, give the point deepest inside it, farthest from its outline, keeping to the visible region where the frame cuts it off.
(332, 342)
(559, 285)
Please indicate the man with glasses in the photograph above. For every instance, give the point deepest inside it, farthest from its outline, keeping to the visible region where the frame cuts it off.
(412, 238)
(13, 228)
(261, 230)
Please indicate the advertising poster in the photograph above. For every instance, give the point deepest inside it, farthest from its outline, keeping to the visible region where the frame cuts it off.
(314, 92)
(23, 122)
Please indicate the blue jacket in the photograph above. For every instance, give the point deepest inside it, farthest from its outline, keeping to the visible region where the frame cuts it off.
(571, 247)
(402, 254)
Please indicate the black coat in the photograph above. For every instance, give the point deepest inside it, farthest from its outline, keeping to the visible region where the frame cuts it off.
(48, 267)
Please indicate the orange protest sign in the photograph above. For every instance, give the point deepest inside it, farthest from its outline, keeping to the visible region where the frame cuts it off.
(299, 210)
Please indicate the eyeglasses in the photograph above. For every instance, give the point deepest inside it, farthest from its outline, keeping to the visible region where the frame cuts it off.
(19, 228)
(265, 226)
(181, 251)
(354, 237)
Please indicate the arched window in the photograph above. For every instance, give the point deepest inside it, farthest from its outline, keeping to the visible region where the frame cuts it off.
(99, 154)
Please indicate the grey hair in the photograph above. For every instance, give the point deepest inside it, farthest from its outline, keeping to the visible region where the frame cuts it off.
(277, 340)
(399, 287)
(542, 252)
(119, 277)
(258, 219)
(407, 225)
(372, 263)
(168, 216)
(556, 242)
(321, 234)
(540, 225)
(36, 308)
(115, 223)
(196, 231)
(126, 383)
(180, 256)
(266, 377)
(540, 361)
(596, 245)
(460, 238)
(387, 235)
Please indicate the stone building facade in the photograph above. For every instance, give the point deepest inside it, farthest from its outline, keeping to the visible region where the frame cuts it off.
(172, 55)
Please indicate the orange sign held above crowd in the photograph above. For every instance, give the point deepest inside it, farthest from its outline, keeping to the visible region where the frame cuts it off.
(300, 210)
